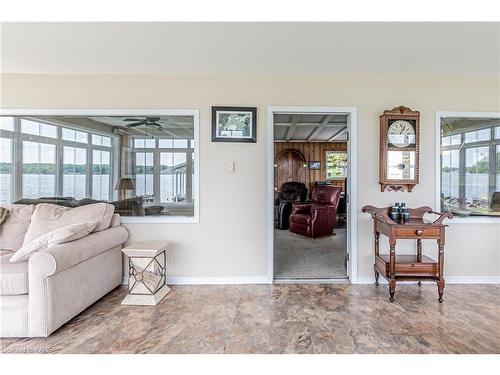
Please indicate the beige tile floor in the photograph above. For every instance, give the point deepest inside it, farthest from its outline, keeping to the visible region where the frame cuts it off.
(338, 318)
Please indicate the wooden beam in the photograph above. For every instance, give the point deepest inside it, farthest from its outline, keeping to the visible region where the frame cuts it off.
(331, 124)
(291, 129)
(336, 134)
(320, 126)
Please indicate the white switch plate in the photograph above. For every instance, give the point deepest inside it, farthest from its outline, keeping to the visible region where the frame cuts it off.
(230, 167)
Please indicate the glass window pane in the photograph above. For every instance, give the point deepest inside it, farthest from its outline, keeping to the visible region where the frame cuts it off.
(477, 177)
(48, 131)
(7, 123)
(172, 177)
(144, 143)
(497, 132)
(144, 175)
(101, 176)
(39, 178)
(165, 143)
(96, 140)
(336, 164)
(30, 127)
(498, 167)
(36, 128)
(74, 170)
(74, 135)
(5, 170)
(401, 165)
(180, 143)
(106, 141)
(450, 164)
(192, 143)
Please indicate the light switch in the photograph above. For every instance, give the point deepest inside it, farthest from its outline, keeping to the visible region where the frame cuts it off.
(230, 167)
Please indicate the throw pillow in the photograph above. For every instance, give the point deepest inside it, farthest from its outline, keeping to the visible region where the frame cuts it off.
(65, 234)
(48, 217)
(3, 214)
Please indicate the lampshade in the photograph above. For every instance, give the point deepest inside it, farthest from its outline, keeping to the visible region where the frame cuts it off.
(124, 183)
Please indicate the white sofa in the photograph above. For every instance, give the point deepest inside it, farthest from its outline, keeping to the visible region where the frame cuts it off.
(39, 295)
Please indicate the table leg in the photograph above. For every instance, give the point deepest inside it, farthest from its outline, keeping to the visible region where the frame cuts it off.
(377, 249)
(440, 282)
(419, 255)
(392, 269)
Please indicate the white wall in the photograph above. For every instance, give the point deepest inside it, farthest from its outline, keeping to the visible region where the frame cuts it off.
(230, 239)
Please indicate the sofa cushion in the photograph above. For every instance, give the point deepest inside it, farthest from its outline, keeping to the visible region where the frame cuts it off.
(13, 276)
(48, 217)
(64, 234)
(13, 229)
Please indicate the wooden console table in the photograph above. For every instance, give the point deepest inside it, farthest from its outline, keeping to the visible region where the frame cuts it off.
(409, 267)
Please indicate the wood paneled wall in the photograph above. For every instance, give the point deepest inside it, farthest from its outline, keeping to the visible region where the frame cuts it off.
(313, 151)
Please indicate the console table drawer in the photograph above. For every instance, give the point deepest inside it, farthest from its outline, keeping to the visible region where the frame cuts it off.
(418, 233)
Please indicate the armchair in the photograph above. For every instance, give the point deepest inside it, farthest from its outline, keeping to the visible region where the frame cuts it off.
(289, 193)
(317, 218)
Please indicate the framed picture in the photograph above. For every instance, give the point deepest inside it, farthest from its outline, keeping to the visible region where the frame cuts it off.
(314, 165)
(234, 124)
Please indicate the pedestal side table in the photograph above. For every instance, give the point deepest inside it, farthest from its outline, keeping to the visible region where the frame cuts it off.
(147, 272)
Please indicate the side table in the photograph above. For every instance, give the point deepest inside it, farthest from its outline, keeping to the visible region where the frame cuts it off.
(147, 272)
(409, 267)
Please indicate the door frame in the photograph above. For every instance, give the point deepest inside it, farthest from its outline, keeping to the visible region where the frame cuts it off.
(352, 226)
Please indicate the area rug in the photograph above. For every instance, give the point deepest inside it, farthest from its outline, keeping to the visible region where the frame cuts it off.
(300, 257)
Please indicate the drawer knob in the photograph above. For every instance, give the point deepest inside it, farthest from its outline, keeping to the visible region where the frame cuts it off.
(420, 232)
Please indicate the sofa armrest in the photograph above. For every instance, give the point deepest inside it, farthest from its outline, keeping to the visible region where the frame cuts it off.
(60, 257)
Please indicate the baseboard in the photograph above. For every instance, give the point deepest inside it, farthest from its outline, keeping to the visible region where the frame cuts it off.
(449, 280)
(213, 280)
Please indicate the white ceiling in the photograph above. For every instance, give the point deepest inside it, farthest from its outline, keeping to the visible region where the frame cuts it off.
(310, 128)
(250, 48)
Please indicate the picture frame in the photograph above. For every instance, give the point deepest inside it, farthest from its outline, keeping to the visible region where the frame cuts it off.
(234, 124)
(314, 165)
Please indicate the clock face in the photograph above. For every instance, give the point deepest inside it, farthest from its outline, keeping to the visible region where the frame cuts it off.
(401, 133)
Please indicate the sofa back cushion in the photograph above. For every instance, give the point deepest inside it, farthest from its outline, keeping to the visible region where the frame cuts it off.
(48, 217)
(13, 229)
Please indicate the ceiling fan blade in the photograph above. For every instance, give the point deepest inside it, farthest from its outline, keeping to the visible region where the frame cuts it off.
(136, 124)
(133, 119)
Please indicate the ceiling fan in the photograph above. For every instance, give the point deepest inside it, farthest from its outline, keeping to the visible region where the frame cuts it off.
(148, 121)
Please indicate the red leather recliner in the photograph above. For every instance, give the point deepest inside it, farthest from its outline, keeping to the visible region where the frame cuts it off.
(316, 219)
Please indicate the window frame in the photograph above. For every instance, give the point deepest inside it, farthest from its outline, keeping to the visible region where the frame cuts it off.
(442, 114)
(157, 151)
(122, 113)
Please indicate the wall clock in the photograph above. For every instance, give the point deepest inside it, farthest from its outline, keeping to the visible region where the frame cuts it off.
(399, 149)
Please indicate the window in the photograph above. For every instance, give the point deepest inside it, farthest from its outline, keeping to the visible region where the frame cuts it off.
(144, 175)
(101, 140)
(7, 123)
(336, 164)
(55, 161)
(163, 171)
(36, 128)
(74, 172)
(74, 135)
(470, 166)
(57, 156)
(39, 172)
(172, 177)
(101, 169)
(5, 170)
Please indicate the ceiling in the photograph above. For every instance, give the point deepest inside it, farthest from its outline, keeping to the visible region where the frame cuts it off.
(310, 127)
(181, 127)
(250, 48)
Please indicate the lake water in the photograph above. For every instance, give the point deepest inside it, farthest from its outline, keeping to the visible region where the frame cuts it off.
(43, 185)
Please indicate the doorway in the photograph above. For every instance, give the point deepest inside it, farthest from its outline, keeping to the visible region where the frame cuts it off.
(310, 154)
